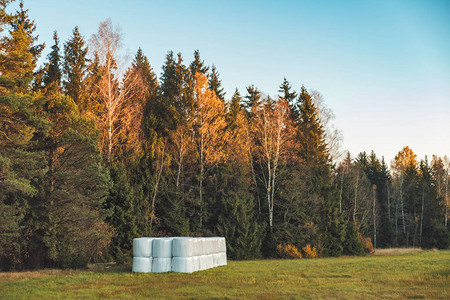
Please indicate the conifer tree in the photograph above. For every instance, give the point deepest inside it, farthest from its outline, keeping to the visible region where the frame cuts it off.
(311, 134)
(18, 52)
(431, 230)
(215, 84)
(75, 69)
(237, 220)
(253, 97)
(234, 107)
(52, 75)
(197, 65)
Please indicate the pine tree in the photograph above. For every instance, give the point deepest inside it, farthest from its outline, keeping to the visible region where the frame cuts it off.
(18, 52)
(75, 69)
(215, 84)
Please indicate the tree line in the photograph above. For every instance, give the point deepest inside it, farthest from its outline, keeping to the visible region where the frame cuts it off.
(95, 152)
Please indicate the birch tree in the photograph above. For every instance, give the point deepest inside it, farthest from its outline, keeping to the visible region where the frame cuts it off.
(209, 126)
(271, 138)
(106, 46)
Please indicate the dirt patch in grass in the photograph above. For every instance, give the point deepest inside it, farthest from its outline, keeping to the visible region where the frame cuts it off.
(396, 251)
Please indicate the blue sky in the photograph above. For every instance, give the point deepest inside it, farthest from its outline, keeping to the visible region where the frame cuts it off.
(383, 67)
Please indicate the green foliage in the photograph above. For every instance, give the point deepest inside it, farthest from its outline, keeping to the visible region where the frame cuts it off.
(74, 69)
(237, 219)
(121, 204)
(352, 244)
(53, 75)
(18, 52)
(215, 84)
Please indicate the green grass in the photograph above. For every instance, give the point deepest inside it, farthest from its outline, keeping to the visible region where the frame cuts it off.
(418, 275)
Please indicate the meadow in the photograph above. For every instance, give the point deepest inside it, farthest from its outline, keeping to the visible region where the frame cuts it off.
(417, 275)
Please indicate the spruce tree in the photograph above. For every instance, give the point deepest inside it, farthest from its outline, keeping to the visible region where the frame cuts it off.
(75, 69)
(234, 107)
(215, 84)
(197, 65)
(52, 75)
(431, 230)
(237, 220)
(253, 97)
(290, 97)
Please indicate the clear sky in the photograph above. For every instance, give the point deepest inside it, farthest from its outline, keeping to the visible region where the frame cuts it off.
(383, 67)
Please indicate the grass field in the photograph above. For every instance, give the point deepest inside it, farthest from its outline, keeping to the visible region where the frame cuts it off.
(417, 275)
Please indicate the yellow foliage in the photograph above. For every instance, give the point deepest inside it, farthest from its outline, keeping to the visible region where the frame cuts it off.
(288, 251)
(310, 252)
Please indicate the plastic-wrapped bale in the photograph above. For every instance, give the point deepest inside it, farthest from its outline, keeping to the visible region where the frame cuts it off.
(184, 264)
(142, 247)
(216, 259)
(161, 265)
(222, 246)
(183, 247)
(209, 261)
(198, 246)
(142, 264)
(201, 262)
(222, 259)
(205, 246)
(162, 248)
(196, 263)
(216, 245)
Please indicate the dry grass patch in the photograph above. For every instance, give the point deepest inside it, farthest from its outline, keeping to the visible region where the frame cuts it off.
(396, 251)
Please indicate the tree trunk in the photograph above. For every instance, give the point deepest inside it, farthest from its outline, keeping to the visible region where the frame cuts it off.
(421, 217)
(159, 169)
(374, 189)
(201, 181)
(356, 198)
(389, 201)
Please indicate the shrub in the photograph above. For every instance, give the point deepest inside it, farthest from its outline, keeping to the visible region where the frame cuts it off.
(288, 251)
(367, 243)
(310, 252)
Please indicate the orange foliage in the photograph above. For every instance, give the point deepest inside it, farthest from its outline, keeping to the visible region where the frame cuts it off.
(209, 121)
(310, 252)
(404, 159)
(288, 251)
(367, 243)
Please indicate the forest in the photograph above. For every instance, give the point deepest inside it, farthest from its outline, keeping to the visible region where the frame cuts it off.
(96, 150)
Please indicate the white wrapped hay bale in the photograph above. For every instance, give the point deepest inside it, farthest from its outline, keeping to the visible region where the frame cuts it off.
(198, 246)
(183, 247)
(196, 263)
(216, 259)
(142, 247)
(222, 246)
(184, 264)
(209, 261)
(142, 264)
(162, 248)
(161, 265)
(201, 262)
(222, 259)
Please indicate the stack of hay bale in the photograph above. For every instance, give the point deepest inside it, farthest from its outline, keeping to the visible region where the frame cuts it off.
(179, 254)
(142, 255)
